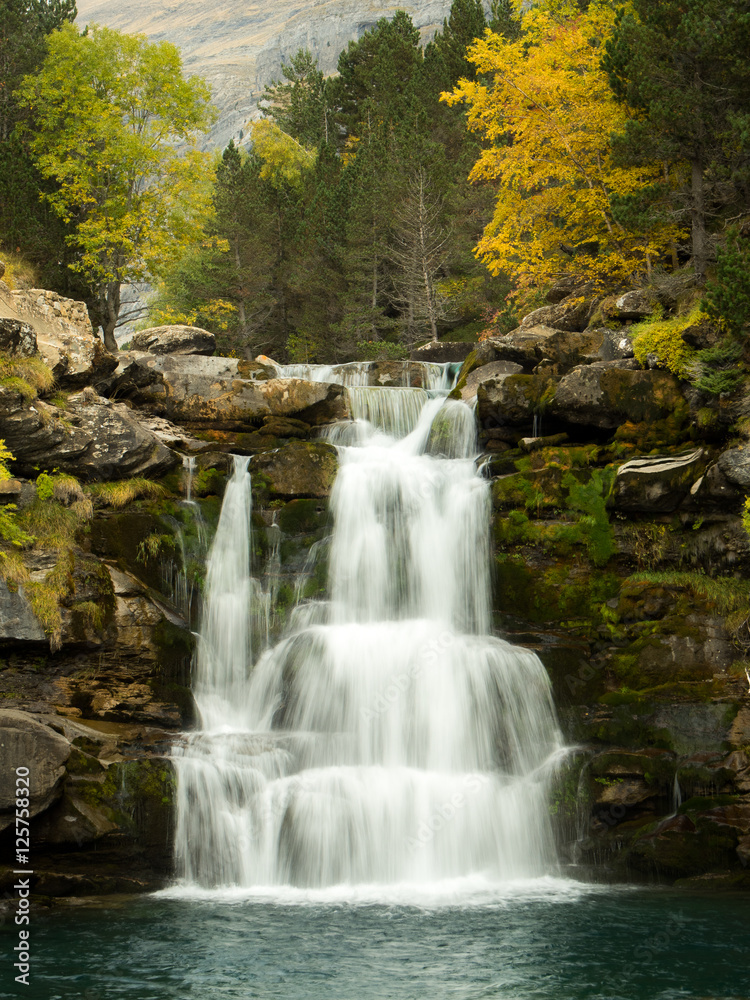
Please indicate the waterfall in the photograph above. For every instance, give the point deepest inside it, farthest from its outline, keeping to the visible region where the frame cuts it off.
(351, 374)
(388, 738)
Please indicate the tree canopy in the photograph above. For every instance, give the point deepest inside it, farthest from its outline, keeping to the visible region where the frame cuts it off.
(544, 107)
(109, 111)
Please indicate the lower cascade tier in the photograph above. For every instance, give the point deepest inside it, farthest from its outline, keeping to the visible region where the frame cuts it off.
(243, 825)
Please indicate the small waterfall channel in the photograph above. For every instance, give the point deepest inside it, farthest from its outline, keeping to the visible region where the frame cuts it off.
(388, 739)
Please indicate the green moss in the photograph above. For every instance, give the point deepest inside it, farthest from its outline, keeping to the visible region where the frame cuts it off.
(209, 481)
(663, 338)
(302, 516)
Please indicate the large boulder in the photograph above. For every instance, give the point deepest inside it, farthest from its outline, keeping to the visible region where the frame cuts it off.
(298, 469)
(64, 335)
(608, 393)
(615, 345)
(93, 438)
(570, 314)
(216, 392)
(635, 304)
(483, 374)
(524, 346)
(442, 351)
(174, 339)
(735, 465)
(28, 744)
(507, 401)
(657, 485)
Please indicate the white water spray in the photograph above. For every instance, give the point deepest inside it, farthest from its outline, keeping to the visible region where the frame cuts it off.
(387, 739)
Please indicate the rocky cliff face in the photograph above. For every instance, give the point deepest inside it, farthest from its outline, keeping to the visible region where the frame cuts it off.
(239, 47)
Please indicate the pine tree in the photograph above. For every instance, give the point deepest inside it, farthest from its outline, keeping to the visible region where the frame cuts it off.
(682, 66)
(300, 107)
(419, 251)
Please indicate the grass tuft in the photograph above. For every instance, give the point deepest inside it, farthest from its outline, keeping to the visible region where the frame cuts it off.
(124, 491)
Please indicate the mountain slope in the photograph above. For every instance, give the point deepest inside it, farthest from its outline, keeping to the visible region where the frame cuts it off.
(239, 46)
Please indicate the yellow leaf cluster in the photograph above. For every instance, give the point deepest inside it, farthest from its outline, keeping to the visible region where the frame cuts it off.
(284, 159)
(546, 112)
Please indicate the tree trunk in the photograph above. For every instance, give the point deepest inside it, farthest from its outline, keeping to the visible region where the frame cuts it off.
(698, 218)
(109, 310)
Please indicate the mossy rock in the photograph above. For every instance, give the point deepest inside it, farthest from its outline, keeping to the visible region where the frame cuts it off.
(535, 490)
(300, 517)
(298, 469)
(680, 847)
(558, 592)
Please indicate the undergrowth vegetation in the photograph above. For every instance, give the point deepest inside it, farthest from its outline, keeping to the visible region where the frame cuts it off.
(124, 491)
(29, 376)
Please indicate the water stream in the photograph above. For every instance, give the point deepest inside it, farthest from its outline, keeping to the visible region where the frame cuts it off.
(388, 739)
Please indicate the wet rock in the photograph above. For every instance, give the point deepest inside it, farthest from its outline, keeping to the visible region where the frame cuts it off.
(608, 393)
(17, 338)
(27, 743)
(658, 484)
(507, 401)
(174, 339)
(193, 389)
(304, 469)
(712, 490)
(285, 427)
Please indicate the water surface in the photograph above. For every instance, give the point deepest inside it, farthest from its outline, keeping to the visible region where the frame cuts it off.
(549, 939)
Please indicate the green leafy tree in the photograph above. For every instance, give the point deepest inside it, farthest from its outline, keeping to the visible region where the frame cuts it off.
(683, 69)
(109, 112)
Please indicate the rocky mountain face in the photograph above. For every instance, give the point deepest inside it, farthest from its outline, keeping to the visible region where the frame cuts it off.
(239, 47)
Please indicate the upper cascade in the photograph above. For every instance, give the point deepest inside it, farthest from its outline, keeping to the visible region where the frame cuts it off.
(387, 738)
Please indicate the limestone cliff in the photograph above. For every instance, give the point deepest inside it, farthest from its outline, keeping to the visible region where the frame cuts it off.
(239, 47)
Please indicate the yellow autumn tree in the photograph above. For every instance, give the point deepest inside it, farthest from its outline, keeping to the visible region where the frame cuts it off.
(546, 112)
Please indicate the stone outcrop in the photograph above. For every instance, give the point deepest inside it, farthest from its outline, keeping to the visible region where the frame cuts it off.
(92, 438)
(494, 370)
(197, 391)
(660, 484)
(41, 752)
(18, 339)
(442, 351)
(606, 394)
(65, 338)
(174, 339)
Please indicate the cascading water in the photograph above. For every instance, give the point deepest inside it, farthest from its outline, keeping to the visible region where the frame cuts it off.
(387, 738)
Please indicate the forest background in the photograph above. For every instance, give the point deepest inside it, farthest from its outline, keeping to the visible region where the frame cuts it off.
(419, 192)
